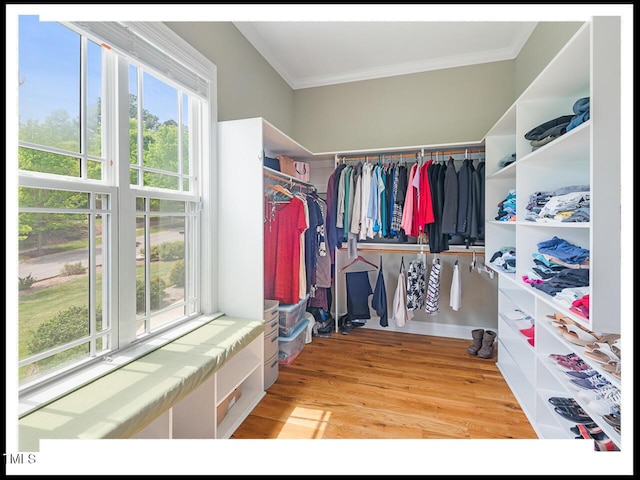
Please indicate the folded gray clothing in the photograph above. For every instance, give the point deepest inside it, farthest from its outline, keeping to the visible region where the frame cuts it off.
(569, 189)
(507, 160)
(544, 141)
(582, 214)
(556, 126)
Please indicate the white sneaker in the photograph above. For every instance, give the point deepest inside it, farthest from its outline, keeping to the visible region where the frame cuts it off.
(597, 393)
(609, 403)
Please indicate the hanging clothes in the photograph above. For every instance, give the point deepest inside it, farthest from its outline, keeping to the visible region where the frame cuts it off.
(433, 289)
(358, 291)
(415, 286)
(435, 231)
(455, 294)
(399, 312)
(379, 300)
(450, 207)
(282, 240)
(477, 227)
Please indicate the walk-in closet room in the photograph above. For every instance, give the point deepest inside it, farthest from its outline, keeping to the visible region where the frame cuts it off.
(306, 239)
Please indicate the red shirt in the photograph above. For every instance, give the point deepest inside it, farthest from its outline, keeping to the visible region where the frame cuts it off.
(282, 252)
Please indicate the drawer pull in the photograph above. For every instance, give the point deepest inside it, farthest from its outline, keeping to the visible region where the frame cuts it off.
(274, 363)
(275, 337)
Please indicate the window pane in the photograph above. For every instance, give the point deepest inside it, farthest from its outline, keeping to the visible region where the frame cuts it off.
(133, 118)
(167, 206)
(53, 283)
(44, 162)
(49, 93)
(56, 362)
(167, 271)
(159, 180)
(45, 198)
(141, 275)
(94, 170)
(185, 135)
(160, 115)
(94, 94)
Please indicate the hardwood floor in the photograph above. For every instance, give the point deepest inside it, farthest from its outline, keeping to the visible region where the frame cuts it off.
(372, 384)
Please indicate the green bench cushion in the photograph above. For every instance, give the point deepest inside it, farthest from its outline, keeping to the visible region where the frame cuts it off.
(123, 402)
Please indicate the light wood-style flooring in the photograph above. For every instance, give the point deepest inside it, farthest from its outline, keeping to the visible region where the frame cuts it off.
(373, 384)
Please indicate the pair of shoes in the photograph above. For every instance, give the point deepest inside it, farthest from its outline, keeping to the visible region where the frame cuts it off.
(529, 332)
(612, 419)
(577, 335)
(587, 395)
(589, 433)
(562, 401)
(605, 446)
(581, 373)
(613, 368)
(575, 364)
(590, 383)
(600, 352)
(574, 413)
(606, 406)
(482, 345)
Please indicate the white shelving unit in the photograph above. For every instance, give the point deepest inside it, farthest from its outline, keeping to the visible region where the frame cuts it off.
(588, 66)
(196, 416)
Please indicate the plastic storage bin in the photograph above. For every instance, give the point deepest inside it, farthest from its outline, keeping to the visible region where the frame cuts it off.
(290, 315)
(289, 347)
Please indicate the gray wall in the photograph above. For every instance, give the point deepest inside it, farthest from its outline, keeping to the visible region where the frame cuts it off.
(545, 42)
(440, 106)
(248, 86)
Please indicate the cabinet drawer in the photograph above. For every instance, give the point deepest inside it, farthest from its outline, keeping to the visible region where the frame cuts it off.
(271, 370)
(271, 325)
(271, 344)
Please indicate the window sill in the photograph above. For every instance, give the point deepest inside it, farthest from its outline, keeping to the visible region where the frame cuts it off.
(38, 397)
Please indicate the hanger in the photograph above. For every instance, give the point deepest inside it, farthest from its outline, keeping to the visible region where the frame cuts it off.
(279, 188)
(359, 259)
(485, 269)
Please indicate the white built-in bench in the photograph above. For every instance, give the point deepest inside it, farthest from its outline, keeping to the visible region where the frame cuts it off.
(171, 392)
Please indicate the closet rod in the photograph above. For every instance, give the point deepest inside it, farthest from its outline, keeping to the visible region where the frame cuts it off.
(283, 177)
(409, 156)
(478, 253)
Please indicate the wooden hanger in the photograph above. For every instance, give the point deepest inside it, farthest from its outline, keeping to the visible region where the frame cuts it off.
(282, 190)
(359, 259)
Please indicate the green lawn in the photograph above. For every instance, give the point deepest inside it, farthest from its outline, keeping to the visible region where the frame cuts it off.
(34, 308)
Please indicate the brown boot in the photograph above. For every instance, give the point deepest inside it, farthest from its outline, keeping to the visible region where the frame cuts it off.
(477, 341)
(486, 350)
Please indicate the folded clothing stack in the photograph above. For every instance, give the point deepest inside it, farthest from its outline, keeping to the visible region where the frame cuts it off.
(556, 127)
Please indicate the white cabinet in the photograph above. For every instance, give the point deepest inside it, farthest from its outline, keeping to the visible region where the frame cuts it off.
(589, 154)
(242, 146)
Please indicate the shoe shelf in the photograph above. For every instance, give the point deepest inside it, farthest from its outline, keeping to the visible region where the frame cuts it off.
(551, 424)
(553, 381)
(521, 384)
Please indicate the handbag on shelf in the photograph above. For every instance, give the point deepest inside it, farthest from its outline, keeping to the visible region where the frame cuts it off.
(301, 171)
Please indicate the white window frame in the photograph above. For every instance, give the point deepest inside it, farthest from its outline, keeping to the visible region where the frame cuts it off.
(181, 57)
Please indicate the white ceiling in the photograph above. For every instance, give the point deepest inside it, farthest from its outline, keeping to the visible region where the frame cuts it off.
(311, 54)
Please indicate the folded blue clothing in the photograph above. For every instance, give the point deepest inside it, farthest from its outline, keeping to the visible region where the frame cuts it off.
(578, 120)
(581, 105)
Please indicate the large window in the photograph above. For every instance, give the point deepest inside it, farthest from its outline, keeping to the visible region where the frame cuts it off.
(114, 169)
